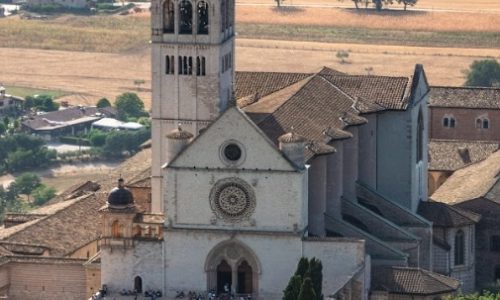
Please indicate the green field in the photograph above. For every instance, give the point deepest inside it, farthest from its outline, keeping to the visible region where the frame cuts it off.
(26, 91)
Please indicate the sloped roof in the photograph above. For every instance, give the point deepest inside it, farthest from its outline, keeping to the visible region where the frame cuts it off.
(471, 182)
(444, 215)
(63, 231)
(143, 179)
(264, 83)
(319, 106)
(465, 97)
(65, 117)
(450, 155)
(412, 281)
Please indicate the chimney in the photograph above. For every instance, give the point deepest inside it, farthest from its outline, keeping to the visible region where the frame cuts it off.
(177, 140)
(293, 146)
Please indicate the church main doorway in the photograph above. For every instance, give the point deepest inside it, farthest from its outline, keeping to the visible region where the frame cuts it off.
(224, 277)
(244, 278)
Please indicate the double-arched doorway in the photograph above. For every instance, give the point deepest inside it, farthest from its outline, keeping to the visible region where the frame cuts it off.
(232, 267)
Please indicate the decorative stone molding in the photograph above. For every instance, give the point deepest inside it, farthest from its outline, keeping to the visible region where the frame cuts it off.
(232, 199)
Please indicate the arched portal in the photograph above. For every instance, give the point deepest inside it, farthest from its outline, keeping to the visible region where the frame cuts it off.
(245, 276)
(240, 261)
(224, 277)
(138, 284)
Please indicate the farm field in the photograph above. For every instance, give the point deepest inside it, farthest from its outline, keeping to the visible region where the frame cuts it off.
(101, 56)
(27, 91)
(91, 76)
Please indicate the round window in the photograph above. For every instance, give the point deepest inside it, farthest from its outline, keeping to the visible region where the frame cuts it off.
(232, 152)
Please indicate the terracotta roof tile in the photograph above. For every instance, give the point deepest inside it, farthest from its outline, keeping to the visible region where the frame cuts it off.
(383, 91)
(264, 83)
(467, 97)
(450, 155)
(471, 182)
(412, 281)
(444, 215)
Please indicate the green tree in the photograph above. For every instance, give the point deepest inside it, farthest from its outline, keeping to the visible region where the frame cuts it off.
(342, 55)
(103, 102)
(43, 193)
(316, 271)
(293, 288)
(129, 105)
(484, 73)
(302, 267)
(307, 290)
(41, 102)
(3, 129)
(97, 138)
(146, 121)
(26, 183)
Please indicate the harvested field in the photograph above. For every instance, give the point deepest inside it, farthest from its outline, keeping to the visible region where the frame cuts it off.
(94, 75)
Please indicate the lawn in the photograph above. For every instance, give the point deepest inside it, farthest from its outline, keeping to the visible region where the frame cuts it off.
(27, 91)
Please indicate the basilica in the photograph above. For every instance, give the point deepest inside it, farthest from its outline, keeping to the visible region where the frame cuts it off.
(253, 170)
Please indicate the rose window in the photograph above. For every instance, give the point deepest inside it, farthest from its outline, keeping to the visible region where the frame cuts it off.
(232, 199)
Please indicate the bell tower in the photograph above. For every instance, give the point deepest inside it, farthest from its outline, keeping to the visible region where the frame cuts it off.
(192, 45)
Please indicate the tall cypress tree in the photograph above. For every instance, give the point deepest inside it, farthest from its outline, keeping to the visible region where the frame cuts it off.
(302, 267)
(316, 271)
(293, 289)
(307, 290)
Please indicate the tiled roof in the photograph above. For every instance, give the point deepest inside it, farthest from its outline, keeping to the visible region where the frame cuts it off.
(142, 179)
(66, 225)
(264, 83)
(318, 106)
(412, 281)
(466, 97)
(471, 182)
(450, 155)
(315, 107)
(60, 118)
(387, 92)
(64, 231)
(444, 215)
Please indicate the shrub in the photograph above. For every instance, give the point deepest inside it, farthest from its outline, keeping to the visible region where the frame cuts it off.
(74, 140)
(42, 194)
(105, 6)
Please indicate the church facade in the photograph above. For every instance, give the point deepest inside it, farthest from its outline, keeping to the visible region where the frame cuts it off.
(252, 171)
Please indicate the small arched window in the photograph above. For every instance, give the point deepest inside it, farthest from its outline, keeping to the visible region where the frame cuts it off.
(198, 66)
(452, 122)
(223, 15)
(203, 72)
(486, 124)
(202, 9)
(185, 17)
(446, 122)
(116, 229)
(478, 123)
(168, 16)
(459, 248)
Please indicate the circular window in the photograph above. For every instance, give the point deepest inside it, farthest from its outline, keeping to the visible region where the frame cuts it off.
(232, 152)
(232, 199)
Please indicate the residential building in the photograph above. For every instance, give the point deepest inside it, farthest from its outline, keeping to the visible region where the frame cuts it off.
(72, 121)
(476, 189)
(9, 105)
(462, 129)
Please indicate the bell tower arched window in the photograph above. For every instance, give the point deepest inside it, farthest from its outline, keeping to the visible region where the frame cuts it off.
(185, 17)
(168, 16)
(202, 10)
(116, 229)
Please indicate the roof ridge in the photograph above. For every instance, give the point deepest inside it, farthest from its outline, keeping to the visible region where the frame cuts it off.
(76, 200)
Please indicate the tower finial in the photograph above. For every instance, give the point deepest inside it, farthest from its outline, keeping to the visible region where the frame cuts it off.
(179, 126)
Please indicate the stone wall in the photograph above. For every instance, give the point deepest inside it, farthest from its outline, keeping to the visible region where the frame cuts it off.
(47, 281)
(465, 124)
